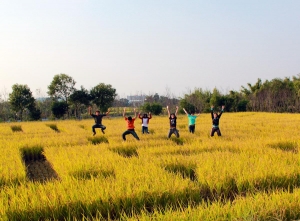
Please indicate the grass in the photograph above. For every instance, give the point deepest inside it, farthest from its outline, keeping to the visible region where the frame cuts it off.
(252, 172)
(32, 153)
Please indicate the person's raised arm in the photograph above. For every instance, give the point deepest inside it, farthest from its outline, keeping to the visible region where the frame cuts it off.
(134, 113)
(124, 111)
(176, 111)
(221, 111)
(108, 110)
(185, 111)
(90, 110)
(212, 111)
(139, 115)
(168, 111)
(150, 116)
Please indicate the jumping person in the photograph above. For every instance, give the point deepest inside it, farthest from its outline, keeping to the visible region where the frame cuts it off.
(215, 121)
(130, 126)
(145, 121)
(98, 120)
(172, 118)
(192, 119)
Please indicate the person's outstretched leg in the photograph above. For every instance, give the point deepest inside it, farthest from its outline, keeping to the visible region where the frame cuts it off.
(134, 134)
(124, 134)
(94, 129)
(219, 132)
(170, 133)
(176, 132)
(102, 128)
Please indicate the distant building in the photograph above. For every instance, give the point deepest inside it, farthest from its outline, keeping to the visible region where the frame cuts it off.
(136, 99)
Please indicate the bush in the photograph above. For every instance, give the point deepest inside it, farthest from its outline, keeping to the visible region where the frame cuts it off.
(154, 108)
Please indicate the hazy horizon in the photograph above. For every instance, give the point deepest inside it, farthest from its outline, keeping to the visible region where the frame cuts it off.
(149, 47)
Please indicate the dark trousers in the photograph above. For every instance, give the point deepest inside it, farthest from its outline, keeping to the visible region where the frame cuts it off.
(98, 126)
(192, 128)
(215, 129)
(145, 130)
(173, 131)
(130, 131)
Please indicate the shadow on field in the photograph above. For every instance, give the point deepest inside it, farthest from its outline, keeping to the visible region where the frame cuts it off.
(53, 127)
(98, 140)
(186, 171)
(129, 151)
(16, 128)
(178, 141)
(90, 173)
(287, 146)
(190, 152)
(113, 207)
(38, 169)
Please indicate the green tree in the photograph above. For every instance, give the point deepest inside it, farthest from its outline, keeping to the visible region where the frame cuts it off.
(103, 96)
(184, 103)
(61, 87)
(216, 98)
(154, 108)
(21, 98)
(79, 98)
(235, 101)
(59, 108)
(252, 88)
(34, 112)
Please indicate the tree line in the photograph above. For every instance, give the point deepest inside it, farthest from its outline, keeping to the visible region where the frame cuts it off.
(277, 95)
(64, 101)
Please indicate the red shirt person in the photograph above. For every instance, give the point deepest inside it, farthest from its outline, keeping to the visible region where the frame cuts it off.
(130, 126)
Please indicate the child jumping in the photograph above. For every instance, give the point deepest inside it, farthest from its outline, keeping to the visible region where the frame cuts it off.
(130, 126)
(172, 118)
(98, 120)
(145, 121)
(192, 120)
(215, 121)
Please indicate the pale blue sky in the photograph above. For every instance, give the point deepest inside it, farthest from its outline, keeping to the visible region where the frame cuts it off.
(149, 46)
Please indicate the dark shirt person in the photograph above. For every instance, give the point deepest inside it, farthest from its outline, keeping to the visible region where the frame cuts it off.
(98, 120)
(173, 123)
(215, 121)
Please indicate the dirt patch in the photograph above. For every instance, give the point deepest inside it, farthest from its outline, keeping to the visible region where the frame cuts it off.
(40, 171)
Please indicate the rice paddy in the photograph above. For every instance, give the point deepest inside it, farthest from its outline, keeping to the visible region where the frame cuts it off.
(252, 172)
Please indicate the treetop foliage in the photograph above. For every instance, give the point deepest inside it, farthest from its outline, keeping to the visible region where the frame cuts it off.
(276, 95)
(61, 87)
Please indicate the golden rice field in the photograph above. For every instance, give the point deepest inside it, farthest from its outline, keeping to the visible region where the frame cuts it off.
(252, 172)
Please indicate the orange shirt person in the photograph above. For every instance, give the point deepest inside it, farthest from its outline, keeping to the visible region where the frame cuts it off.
(130, 126)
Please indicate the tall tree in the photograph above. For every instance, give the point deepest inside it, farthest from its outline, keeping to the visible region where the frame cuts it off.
(79, 98)
(21, 98)
(61, 87)
(103, 96)
(34, 112)
(154, 108)
(59, 108)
